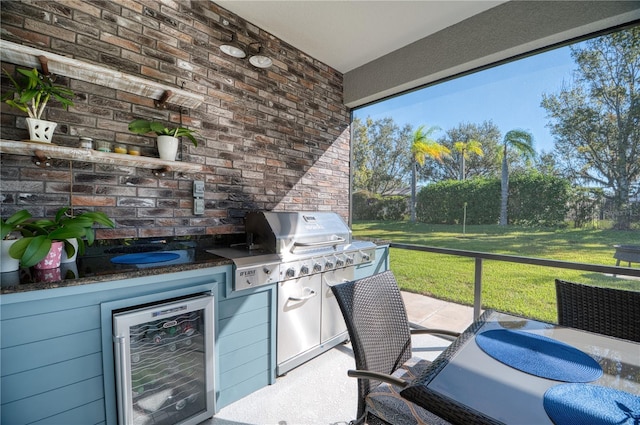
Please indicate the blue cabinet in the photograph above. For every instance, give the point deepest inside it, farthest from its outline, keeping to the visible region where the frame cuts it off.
(56, 344)
(57, 360)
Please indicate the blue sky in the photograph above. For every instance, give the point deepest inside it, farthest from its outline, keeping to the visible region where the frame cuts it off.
(509, 95)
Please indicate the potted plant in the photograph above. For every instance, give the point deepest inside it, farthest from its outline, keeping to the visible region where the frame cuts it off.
(9, 234)
(167, 137)
(40, 236)
(33, 92)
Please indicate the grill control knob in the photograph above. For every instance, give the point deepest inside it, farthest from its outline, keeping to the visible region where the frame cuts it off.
(304, 270)
(291, 272)
(340, 262)
(328, 265)
(365, 256)
(266, 270)
(317, 268)
(349, 261)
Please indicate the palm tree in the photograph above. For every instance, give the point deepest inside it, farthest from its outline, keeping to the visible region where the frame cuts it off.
(465, 149)
(522, 142)
(421, 148)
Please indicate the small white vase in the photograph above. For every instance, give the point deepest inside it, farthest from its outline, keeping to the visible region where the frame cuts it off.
(63, 256)
(40, 130)
(168, 147)
(7, 262)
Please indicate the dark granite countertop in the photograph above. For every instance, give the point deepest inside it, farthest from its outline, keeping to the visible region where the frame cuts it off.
(96, 265)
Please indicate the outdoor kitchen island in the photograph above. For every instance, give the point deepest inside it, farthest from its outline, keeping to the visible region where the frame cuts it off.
(57, 337)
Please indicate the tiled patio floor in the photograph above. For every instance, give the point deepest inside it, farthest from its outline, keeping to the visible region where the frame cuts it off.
(320, 392)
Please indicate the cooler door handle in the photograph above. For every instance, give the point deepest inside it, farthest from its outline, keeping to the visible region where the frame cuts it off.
(123, 391)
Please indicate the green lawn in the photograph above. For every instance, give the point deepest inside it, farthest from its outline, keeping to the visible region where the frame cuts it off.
(517, 288)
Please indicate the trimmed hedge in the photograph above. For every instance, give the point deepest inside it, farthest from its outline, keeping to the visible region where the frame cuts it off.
(443, 202)
(534, 200)
(371, 206)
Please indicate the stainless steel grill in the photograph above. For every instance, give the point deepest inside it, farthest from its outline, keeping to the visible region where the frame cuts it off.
(287, 245)
(304, 253)
(293, 233)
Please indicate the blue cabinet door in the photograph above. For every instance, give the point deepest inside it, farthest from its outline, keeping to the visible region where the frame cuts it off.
(245, 343)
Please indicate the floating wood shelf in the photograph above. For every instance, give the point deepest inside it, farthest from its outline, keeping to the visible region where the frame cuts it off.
(73, 68)
(43, 152)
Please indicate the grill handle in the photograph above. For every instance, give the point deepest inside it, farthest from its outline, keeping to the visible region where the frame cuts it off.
(335, 241)
(310, 295)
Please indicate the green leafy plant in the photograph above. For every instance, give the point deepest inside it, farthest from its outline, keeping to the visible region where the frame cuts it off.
(38, 235)
(34, 91)
(13, 224)
(141, 126)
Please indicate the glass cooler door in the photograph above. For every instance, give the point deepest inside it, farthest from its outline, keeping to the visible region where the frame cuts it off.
(164, 362)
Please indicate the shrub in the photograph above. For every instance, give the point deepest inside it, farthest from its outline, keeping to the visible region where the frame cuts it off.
(537, 199)
(444, 202)
(371, 206)
(534, 200)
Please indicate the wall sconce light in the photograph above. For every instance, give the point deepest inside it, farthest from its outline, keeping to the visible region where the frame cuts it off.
(259, 60)
(237, 50)
(233, 48)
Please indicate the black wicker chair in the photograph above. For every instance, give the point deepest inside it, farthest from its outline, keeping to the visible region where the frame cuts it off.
(377, 323)
(608, 311)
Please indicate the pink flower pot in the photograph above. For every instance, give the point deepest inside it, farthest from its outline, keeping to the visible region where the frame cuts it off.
(48, 275)
(52, 260)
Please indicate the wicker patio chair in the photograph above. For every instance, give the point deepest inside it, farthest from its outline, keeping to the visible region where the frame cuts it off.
(377, 323)
(608, 311)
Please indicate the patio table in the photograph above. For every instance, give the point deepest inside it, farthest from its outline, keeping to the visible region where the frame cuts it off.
(628, 253)
(500, 368)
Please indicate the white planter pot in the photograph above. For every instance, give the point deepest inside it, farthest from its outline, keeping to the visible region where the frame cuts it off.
(168, 147)
(7, 263)
(69, 270)
(63, 255)
(40, 130)
(10, 279)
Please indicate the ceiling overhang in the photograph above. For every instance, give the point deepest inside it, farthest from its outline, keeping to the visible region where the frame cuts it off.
(348, 34)
(387, 47)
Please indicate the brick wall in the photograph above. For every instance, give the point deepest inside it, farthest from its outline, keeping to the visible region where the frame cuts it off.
(272, 139)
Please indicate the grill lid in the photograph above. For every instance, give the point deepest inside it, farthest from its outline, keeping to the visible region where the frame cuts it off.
(289, 233)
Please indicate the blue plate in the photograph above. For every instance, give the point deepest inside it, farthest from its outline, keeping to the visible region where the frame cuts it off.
(539, 355)
(145, 258)
(579, 404)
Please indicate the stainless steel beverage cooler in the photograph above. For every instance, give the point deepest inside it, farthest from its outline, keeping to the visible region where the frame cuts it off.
(164, 362)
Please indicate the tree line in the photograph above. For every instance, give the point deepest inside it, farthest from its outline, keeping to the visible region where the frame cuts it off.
(594, 119)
